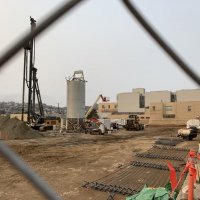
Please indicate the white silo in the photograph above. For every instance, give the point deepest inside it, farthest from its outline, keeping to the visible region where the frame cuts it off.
(75, 101)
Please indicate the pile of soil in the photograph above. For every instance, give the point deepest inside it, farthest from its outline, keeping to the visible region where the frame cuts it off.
(15, 129)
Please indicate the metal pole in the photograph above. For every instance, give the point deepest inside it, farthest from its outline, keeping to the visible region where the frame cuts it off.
(30, 102)
(34, 88)
(40, 184)
(23, 92)
(49, 20)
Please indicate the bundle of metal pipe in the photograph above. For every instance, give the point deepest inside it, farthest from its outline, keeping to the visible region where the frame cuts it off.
(148, 168)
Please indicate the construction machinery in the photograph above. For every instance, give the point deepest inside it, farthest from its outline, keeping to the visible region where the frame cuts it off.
(104, 99)
(93, 125)
(133, 123)
(35, 120)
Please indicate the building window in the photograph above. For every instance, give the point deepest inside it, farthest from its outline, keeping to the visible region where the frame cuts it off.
(189, 108)
(168, 108)
(154, 108)
(169, 116)
(103, 106)
(108, 106)
(115, 106)
(53, 122)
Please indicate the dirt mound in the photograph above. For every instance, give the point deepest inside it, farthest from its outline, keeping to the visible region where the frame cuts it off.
(15, 129)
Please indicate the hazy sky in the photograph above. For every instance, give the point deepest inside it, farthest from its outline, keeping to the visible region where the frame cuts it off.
(101, 38)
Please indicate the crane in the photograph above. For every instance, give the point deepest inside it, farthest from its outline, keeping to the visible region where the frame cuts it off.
(104, 99)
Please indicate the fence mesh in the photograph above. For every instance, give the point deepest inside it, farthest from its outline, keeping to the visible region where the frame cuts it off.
(66, 7)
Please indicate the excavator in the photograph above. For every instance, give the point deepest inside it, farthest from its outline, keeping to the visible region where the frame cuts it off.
(93, 125)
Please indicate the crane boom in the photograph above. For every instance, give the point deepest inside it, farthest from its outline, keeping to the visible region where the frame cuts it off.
(104, 99)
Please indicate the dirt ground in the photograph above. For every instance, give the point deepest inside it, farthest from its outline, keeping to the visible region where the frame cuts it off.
(66, 161)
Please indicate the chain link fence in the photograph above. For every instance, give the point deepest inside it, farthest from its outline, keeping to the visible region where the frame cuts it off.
(66, 7)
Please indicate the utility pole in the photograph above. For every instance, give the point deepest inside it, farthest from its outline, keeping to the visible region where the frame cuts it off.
(58, 109)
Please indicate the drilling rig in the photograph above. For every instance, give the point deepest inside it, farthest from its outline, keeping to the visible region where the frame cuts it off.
(30, 80)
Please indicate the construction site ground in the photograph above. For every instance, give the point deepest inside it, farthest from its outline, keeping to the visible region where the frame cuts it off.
(66, 161)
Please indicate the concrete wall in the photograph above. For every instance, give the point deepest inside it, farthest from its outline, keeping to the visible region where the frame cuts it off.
(173, 112)
(188, 110)
(188, 95)
(156, 111)
(129, 102)
(157, 96)
(139, 90)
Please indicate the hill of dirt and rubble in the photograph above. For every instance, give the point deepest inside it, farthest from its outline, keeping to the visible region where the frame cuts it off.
(15, 129)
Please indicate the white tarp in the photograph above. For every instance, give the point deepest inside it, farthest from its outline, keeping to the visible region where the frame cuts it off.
(106, 122)
(193, 123)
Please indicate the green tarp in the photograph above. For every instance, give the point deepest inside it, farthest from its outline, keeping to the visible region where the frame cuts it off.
(151, 194)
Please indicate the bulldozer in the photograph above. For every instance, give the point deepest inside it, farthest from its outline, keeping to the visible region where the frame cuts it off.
(133, 123)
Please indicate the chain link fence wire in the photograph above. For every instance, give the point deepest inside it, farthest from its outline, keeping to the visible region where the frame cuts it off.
(13, 158)
(179, 61)
(50, 19)
(36, 181)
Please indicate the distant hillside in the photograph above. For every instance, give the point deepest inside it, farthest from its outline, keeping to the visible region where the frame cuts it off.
(12, 107)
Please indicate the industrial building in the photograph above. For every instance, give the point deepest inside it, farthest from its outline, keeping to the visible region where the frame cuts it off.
(131, 102)
(157, 107)
(188, 95)
(107, 107)
(134, 101)
(173, 112)
(157, 96)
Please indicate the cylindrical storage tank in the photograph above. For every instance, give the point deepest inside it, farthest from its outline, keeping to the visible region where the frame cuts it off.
(75, 101)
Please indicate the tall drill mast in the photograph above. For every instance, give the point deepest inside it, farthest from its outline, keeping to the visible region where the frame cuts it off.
(31, 81)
